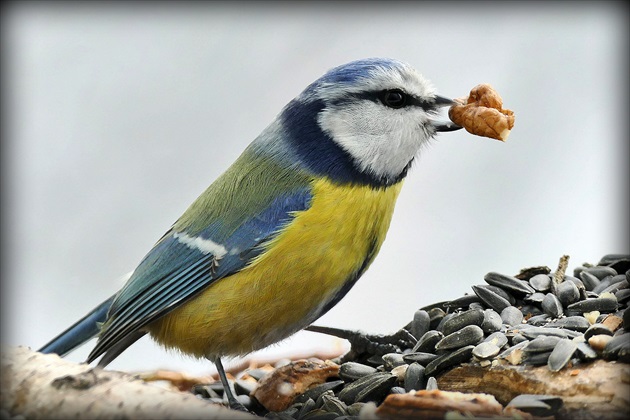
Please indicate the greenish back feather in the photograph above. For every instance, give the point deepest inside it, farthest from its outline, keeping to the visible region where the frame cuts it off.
(243, 191)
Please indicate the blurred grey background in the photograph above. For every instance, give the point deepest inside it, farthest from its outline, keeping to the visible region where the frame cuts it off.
(117, 116)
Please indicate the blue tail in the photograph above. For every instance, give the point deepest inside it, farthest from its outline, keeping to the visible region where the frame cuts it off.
(80, 332)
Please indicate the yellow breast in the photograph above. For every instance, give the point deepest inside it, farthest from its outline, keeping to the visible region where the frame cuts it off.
(285, 288)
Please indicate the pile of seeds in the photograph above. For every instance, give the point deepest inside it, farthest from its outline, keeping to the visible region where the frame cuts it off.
(534, 318)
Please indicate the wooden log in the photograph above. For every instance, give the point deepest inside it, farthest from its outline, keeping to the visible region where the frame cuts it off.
(39, 386)
(598, 390)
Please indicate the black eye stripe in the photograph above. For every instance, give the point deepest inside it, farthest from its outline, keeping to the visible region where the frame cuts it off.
(410, 100)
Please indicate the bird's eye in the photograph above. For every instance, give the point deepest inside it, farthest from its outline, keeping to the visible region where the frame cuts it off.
(393, 98)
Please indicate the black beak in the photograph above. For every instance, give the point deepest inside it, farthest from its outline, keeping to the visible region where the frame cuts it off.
(443, 101)
(442, 127)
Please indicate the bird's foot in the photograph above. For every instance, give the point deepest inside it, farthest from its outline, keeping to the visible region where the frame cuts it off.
(372, 344)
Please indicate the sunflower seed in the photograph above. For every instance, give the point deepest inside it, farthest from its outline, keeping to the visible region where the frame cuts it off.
(618, 348)
(462, 319)
(596, 304)
(539, 320)
(530, 310)
(414, 377)
(619, 262)
(391, 360)
(517, 348)
(368, 388)
(616, 286)
(623, 296)
(511, 316)
(426, 344)
(575, 323)
(470, 334)
(306, 407)
(518, 338)
(540, 282)
(420, 324)
(351, 371)
(509, 283)
(551, 305)
(567, 293)
(332, 404)
(463, 302)
(419, 357)
(561, 354)
(317, 391)
(477, 305)
(586, 352)
(541, 344)
(399, 371)
(501, 292)
(535, 298)
(603, 285)
(491, 298)
(491, 321)
(536, 359)
(497, 338)
(589, 280)
(432, 384)
(435, 316)
(601, 271)
(534, 332)
(449, 359)
(319, 414)
(485, 350)
(355, 409)
(537, 405)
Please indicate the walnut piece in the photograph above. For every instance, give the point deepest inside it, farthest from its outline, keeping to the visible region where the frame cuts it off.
(482, 113)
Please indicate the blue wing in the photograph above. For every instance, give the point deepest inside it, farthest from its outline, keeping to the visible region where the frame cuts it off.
(181, 265)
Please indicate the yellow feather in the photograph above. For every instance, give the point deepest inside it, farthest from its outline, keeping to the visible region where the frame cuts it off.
(282, 290)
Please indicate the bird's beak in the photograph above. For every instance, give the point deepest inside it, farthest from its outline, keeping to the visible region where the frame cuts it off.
(441, 101)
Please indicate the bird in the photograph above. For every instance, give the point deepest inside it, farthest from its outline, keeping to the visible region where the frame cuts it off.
(285, 232)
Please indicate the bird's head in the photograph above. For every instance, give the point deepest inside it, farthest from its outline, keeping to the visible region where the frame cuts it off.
(362, 122)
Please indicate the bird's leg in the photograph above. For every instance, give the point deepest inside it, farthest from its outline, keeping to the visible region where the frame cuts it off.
(234, 404)
(372, 344)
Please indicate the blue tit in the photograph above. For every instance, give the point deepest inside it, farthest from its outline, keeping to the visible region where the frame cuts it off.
(279, 238)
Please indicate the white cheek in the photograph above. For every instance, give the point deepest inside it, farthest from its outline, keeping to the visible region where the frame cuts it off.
(382, 140)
